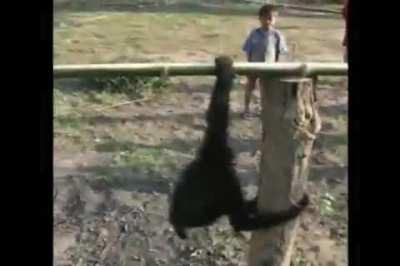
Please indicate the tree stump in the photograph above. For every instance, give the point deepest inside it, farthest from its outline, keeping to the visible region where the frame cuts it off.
(290, 122)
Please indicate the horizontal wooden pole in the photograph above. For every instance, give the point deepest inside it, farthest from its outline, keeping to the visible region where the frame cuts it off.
(198, 69)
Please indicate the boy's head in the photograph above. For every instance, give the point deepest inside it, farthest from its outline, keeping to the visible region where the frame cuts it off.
(267, 15)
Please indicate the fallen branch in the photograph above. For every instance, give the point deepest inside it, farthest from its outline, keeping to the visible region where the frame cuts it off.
(122, 104)
(63, 132)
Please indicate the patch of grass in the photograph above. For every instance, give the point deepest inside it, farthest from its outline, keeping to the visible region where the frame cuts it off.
(133, 87)
(135, 164)
(140, 158)
(67, 115)
(299, 260)
(75, 118)
(114, 146)
(65, 34)
(338, 123)
(110, 180)
(74, 106)
(329, 82)
(73, 102)
(327, 204)
(337, 154)
(69, 122)
(333, 208)
(335, 144)
(108, 177)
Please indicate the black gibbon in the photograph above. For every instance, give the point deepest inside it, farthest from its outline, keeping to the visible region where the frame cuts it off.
(209, 187)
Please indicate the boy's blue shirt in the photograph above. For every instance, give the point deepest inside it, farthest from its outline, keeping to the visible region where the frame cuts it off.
(262, 46)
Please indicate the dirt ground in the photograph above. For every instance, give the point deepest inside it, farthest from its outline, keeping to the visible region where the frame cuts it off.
(114, 166)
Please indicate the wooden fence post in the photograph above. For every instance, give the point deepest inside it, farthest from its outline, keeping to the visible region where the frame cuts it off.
(290, 123)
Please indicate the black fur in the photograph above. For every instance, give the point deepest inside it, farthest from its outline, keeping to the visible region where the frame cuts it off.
(209, 188)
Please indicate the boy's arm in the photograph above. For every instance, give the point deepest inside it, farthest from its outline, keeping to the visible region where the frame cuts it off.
(281, 47)
(282, 44)
(247, 47)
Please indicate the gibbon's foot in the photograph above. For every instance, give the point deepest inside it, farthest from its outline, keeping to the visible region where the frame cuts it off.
(305, 200)
(246, 115)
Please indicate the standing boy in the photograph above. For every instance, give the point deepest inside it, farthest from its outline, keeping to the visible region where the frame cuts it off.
(264, 44)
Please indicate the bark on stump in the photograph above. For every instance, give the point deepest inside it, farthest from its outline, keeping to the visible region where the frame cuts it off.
(290, 122)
